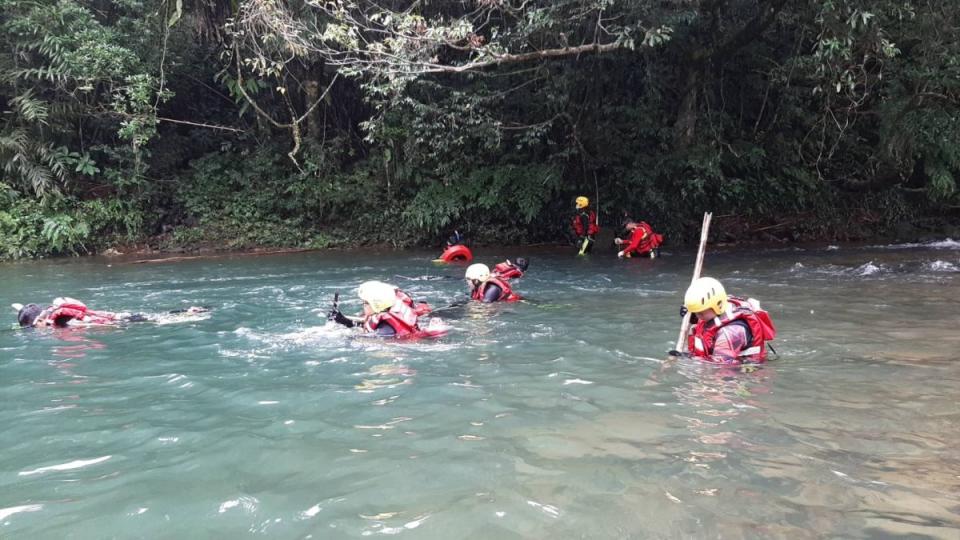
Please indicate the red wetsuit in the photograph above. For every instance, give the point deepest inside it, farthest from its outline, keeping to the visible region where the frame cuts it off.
(585, 224)
(642, 240)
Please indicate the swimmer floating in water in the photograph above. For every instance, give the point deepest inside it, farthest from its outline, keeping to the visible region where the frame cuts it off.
(71, 312)
(511, 270)
(487, 287)
(729, 330)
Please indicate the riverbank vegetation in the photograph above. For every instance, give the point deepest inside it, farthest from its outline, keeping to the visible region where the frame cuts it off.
(310, 123)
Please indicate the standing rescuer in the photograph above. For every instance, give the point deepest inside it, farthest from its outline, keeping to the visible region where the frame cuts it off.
(729, 330)
(585, 226)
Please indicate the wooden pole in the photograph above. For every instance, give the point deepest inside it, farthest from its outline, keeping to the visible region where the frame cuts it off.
(685, 325)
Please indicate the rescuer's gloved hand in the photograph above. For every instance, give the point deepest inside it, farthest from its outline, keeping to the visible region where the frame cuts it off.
(338, 317)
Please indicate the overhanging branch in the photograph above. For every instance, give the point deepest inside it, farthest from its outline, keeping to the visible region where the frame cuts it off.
(597, 48)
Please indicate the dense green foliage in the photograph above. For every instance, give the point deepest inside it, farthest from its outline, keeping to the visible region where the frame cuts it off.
(320, 123)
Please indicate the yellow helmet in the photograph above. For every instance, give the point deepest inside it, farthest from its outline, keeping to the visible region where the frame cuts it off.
(705, 293)
(380, 296)
(582, 202)
(478, 272)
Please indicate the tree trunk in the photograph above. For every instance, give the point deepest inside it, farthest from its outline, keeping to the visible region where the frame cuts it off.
(311, 89)
(685, 128)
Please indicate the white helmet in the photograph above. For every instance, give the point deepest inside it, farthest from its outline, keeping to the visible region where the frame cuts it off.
(478, 272)
(380, 296)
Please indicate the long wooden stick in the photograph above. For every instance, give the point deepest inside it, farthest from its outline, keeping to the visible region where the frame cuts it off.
(685, 325)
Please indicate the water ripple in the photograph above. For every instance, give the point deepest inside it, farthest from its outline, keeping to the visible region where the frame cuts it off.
(557, 417)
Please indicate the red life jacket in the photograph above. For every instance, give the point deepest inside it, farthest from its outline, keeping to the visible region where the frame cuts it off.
(760, 329)
(61, 315)
(75, 310)
(401, 317)
(506, 293)
(458, 253)
(420, 308)
(643, 240)
(591, 229)
(507, 271)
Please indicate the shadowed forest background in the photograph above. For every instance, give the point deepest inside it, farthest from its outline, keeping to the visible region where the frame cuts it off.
(182, 124)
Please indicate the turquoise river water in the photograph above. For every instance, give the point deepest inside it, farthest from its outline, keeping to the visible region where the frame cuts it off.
(552, 418)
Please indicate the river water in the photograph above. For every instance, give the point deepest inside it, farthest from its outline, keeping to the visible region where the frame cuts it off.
(553, 418)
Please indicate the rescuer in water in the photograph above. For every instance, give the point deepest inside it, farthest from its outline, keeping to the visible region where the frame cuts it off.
(387, 312)
(642, 242)
(511, 269)
(456, 250)
(729, 330)
(487, 287)
(72, 312)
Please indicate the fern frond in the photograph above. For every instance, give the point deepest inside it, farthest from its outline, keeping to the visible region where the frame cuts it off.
(37, 176)
(29, 108)
(14, 141)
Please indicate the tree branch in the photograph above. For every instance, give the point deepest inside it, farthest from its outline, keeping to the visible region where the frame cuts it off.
(210, 126)
(524, 57)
